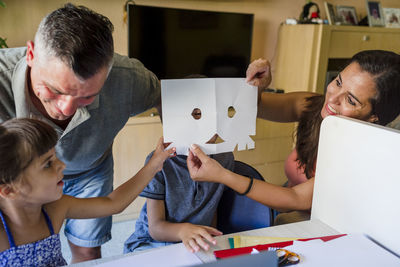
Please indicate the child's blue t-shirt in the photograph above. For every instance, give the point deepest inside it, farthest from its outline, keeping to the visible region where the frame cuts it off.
(185, 200)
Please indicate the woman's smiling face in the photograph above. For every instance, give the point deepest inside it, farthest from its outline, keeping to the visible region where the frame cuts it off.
(350, 94)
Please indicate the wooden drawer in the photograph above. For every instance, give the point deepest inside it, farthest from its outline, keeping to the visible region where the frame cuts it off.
(273, 172)
(344, 44)
(266, 151)
(270, 129)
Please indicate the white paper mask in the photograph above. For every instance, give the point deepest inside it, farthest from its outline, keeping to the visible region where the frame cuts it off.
(213, 98)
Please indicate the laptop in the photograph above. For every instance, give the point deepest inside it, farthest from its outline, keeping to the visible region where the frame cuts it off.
(262, 259)
(357, 180)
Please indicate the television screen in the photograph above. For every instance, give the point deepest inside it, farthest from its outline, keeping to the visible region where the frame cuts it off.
(175, 43)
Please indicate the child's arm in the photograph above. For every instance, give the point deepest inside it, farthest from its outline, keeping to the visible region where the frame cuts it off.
(120, 198)
(191, 235)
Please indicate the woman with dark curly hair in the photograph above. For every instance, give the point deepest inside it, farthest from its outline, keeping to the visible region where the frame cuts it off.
(367, 89)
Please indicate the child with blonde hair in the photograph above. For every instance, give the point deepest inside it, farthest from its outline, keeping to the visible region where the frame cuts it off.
(32, 204)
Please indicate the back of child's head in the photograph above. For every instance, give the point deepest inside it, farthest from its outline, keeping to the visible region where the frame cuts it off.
(21, 141)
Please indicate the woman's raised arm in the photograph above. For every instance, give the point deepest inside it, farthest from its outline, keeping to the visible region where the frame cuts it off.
(203, 168)
(271, 106)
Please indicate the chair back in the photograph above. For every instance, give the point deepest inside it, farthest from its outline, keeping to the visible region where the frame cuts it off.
(238, 213)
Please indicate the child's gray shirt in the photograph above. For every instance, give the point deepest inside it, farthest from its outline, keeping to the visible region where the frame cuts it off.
(185, 200)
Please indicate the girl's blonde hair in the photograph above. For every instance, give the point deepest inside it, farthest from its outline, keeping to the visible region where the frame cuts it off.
(21, 141)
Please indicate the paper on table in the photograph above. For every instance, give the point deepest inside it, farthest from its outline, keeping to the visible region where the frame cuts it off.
(246, 241)
(350, 250)
(213, 97)
(169, 256)
(227, 253)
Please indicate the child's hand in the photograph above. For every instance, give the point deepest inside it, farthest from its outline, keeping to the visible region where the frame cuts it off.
(160, 154)
(194, 236)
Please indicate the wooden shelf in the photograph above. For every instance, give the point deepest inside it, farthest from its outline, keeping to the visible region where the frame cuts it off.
(305, 50)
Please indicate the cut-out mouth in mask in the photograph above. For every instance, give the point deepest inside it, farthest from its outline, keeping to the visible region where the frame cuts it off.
(216, 139)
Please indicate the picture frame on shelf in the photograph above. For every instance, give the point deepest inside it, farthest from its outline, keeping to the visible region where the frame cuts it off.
(330, 13)
(347, 15)
(375, 14)
(392, 17)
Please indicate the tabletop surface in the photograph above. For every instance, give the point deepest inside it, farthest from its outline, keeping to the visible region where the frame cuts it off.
(306, 229)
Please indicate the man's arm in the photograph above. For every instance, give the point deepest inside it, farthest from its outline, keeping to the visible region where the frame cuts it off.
(159, 107)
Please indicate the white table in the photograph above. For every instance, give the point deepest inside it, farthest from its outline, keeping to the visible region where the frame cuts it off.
(306, 229)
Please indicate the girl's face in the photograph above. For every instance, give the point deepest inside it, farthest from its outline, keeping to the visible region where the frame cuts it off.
(350, 93)
(42, 181)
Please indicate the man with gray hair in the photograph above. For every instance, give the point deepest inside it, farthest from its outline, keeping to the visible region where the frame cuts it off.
(71, 78)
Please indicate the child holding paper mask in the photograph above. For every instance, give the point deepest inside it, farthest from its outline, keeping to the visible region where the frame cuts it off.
(32, 205)
(178, 208)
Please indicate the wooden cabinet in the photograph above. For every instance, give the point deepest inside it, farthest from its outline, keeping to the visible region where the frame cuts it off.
(305, 51)
(273, 142)
(344, 44)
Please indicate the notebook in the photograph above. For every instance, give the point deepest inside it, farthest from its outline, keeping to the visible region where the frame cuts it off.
(239, 241)
(227, 253)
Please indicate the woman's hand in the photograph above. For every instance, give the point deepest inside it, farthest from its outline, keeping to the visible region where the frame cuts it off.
(194, 236)
(203, 168)
(160, 154)
(259, 73)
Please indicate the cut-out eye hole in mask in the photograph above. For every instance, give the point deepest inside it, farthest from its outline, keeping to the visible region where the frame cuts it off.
(231, 112)
(216, 114)
(196, 113)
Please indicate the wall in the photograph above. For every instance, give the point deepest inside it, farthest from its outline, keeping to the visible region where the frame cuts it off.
(18, 23)
(21, 17)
